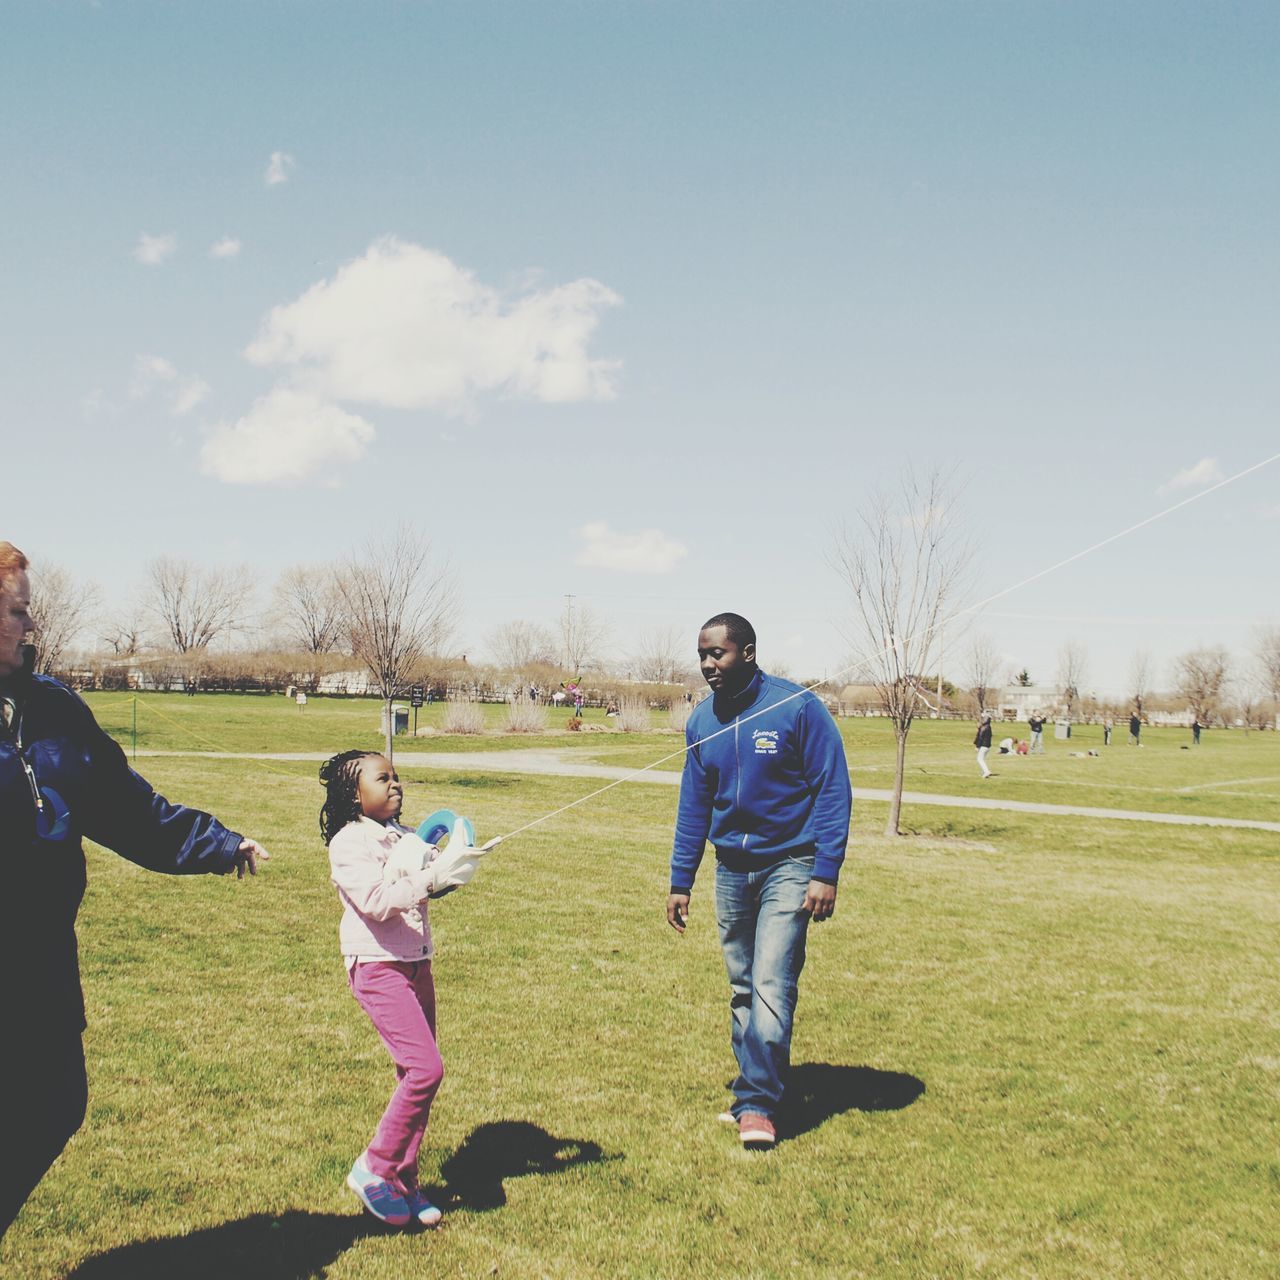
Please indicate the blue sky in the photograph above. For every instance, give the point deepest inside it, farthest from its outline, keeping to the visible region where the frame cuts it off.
(578, 286)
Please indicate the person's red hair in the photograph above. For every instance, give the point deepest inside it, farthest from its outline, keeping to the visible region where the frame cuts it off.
(11, 561)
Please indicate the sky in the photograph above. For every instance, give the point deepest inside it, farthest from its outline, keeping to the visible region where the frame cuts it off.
(642, 302)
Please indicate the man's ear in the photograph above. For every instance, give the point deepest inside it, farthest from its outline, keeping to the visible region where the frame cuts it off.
(749, 652)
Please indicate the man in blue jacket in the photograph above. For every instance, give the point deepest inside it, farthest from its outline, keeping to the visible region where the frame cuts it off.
(765, 780)
(61, 778)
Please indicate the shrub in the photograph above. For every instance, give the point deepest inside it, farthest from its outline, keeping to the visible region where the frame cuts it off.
(678, 715)
(524, 716)
(633, 714)
(461, 715)
(574, 725)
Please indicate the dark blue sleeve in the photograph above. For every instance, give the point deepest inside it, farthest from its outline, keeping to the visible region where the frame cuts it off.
(693, 818)
(827, 774)
(128, 816)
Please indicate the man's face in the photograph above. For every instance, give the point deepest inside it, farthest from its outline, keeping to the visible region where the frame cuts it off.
(15, 621)
(379, 789)
(722, 663)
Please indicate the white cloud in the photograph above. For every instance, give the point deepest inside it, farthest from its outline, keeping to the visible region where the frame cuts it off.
(404, 327)
(1204, 473)
(286, 437)
(151, 251)
(227, 247)
(152, 374)
(649, 551)
(279, 167)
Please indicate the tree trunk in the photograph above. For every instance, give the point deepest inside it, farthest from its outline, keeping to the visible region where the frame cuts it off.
(895, 801)
(391, 729)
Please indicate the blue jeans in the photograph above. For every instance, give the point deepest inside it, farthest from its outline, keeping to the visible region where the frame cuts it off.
(762, 933)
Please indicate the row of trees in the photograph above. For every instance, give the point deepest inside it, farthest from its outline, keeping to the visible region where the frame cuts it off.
(1207, 680)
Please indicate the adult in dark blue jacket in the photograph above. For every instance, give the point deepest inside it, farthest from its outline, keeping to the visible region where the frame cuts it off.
(61, 778)
(765, 780)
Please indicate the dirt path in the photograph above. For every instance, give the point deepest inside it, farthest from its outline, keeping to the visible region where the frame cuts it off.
(563, 764)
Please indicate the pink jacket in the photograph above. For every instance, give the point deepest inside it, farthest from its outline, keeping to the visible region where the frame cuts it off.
(381, 920)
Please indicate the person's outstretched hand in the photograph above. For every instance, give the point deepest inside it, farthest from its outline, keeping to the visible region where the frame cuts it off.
(248, 855)
(458, 863)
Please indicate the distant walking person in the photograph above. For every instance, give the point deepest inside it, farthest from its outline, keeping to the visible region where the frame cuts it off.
(1035, 722)
(1195, 731)
(1135, 729)
(983, 742)
(1106, 732)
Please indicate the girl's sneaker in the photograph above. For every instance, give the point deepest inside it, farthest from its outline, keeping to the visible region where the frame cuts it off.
(379, 1196)
(427, 1214)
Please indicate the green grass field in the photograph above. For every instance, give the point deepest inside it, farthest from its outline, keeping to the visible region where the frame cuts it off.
(1026, 1045)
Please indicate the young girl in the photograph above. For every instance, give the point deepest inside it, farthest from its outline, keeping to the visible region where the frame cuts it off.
(384, 875)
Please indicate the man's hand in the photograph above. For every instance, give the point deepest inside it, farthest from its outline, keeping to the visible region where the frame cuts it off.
(819, 901)
(248, 855)
(677, 910)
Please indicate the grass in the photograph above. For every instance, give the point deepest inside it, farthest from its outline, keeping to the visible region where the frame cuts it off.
(1026, 1046)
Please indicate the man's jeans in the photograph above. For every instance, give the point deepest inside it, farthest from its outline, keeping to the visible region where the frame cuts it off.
(762, 932)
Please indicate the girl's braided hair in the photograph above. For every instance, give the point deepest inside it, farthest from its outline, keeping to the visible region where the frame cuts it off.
(341, 777)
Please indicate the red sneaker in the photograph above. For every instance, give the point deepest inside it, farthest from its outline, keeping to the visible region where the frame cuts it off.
(756, 1131)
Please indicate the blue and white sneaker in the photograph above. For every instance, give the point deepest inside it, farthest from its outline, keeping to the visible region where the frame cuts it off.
(426, 1213)
(380, 1197)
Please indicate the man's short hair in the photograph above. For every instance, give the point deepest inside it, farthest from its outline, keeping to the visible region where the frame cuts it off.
(736, 628)
(11, 561)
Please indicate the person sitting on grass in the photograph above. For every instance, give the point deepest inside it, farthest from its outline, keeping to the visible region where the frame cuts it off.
(384, 875)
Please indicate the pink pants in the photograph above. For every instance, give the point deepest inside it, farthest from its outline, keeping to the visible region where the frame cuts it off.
(400, 999)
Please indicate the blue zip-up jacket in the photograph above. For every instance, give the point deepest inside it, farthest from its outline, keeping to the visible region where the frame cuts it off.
(770, 780)
(87, 789)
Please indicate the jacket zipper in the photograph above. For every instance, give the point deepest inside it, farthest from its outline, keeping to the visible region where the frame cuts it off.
(737, 776)
(36, 798)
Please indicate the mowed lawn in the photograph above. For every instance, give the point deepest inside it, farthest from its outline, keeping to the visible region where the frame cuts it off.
(1026, 1046)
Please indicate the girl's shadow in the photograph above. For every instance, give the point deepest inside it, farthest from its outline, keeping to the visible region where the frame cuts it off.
(297, 1245)
(816, 1091)
(474, 1174)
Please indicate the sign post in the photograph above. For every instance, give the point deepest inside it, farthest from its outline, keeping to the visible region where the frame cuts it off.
(415, 701)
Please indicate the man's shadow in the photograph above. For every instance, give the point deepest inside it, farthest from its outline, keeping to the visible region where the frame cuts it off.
(816, 1091)
(298, 1245)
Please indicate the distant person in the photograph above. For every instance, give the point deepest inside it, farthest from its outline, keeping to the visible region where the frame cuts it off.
(1035, 722)
(982, 741)
(577, 704)
(384, 874)
(1106, 732)
(1006, 746)
(1135, 729)
(1195, 732)
(766, 781)
(61, 778)
(533, 693)
(1022, 747)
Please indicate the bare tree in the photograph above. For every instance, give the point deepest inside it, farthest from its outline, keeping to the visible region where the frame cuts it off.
(196, 606)
(582, 635)
(1267, 656)
(903, 564)
(123, 633)
(517, 645)
(309, 603)
(1073, 661)
(400, 605)
(1200, 676)
(61, 608)
(659, 657)
(981, 667)
(1140, 674)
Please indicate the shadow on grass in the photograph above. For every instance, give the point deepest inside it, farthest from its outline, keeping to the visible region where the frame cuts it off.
(816, 1091)
(298, 1245)
(293, 1246)
(474, 1174)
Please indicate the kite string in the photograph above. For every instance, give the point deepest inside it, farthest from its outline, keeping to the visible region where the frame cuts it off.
(923, 632)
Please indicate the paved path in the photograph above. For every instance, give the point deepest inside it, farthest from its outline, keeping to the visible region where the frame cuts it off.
(564, 764)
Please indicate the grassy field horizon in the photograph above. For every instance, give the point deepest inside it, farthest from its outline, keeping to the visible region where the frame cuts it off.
(1026, 1046)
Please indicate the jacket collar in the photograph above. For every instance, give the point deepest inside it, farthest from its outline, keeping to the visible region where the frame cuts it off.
(728, 705)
